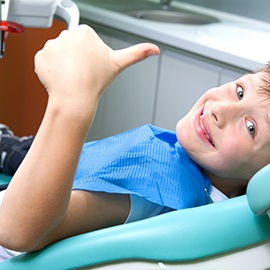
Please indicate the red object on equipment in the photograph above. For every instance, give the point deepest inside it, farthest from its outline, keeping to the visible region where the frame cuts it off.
(11, 27)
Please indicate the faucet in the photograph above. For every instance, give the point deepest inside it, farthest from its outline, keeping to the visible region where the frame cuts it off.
(165, 4)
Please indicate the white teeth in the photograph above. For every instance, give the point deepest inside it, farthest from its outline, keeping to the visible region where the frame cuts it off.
(205, 133)
(202, 126)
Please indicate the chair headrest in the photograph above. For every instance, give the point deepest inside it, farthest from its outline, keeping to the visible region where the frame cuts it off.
(258, 191)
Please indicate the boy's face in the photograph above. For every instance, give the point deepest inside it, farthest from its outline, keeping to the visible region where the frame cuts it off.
(227, 132)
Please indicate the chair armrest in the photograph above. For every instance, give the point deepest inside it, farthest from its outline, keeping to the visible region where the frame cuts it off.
(183, 235)
(4, 179)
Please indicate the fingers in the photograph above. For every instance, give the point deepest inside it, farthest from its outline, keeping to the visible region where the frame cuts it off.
(78, 59)
(131, 55)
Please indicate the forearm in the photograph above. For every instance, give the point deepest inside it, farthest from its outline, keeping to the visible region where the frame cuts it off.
(38, 196)
(75, 68)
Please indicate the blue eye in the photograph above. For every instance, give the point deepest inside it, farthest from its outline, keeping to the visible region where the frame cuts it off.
(240, 92)
(251, 128)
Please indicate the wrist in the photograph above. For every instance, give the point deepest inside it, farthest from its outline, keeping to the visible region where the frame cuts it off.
(75, 109)
(65, 117)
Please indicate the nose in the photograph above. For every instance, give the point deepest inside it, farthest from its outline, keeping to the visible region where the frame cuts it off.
(224, 112)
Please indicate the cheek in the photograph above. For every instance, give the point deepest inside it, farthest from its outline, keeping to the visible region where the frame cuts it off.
(184, 133)
(181, 130)
(233, 159)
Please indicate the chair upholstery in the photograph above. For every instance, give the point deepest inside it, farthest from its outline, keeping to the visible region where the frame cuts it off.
(180, 236)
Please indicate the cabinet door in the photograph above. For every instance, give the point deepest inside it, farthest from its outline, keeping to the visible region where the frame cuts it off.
(182, 81)
(129, 100)
(23, 98)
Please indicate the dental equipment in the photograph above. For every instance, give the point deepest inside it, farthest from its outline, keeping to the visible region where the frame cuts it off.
(17, 14)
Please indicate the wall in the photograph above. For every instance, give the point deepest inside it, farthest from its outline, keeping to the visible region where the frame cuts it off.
(254, 9)
(22, 97)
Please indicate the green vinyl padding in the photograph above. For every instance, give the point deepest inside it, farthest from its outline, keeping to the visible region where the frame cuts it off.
(258, 191)
(4, 179)
(180, 236)
(183, 235)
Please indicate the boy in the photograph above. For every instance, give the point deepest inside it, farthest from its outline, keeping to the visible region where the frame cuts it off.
(223, 139)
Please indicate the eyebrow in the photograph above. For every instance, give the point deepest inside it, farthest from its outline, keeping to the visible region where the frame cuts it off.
(267, 120)
(251, 85)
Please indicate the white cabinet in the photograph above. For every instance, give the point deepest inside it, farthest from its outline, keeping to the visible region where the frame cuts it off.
(129, 100)
(182, 81)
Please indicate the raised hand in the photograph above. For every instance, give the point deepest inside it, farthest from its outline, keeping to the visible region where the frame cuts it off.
(79, 65)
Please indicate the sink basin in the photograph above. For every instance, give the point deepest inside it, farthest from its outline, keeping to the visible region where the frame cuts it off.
(167, 16)
(152, 10)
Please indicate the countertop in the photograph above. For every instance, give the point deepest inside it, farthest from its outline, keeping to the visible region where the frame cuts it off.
(234, 40)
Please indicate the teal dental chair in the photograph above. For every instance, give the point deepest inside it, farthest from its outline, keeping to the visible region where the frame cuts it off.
(233, 234)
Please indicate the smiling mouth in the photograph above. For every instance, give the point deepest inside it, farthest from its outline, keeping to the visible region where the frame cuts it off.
(206, 134)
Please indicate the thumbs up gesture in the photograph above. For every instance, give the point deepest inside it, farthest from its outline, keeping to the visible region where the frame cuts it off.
(78, 66)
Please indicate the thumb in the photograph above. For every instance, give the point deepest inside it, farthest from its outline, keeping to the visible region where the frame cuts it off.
(131, 55)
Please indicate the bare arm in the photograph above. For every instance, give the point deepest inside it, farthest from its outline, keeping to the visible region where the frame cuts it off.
(75, 69)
